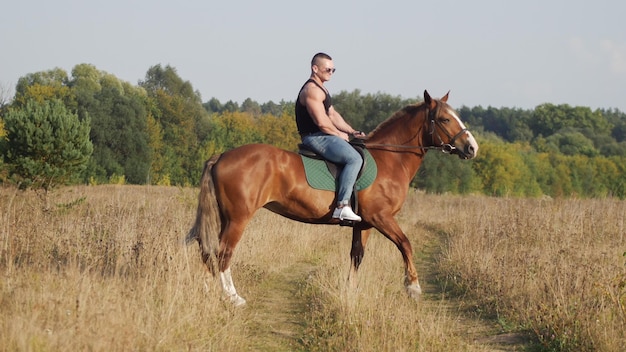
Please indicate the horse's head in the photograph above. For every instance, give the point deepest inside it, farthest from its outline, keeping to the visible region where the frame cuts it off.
(447, 130)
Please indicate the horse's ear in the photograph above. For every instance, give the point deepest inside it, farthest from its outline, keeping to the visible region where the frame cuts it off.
(428, 100)
(445, 97)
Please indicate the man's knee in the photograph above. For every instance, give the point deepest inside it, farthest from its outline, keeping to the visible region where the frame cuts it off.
(357, 160)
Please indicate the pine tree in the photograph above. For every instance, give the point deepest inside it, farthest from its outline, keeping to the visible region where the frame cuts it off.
(47, 144)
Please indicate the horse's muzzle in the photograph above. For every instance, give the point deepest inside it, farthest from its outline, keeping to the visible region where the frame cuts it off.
(467, 152)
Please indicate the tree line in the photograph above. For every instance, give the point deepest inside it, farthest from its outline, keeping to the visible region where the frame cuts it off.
(90, 127)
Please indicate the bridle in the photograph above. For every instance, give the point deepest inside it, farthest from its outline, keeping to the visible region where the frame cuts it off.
(447, 148)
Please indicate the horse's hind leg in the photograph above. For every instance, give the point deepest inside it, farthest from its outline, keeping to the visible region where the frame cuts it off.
(229, 237)
(357, 252)
(228, 287)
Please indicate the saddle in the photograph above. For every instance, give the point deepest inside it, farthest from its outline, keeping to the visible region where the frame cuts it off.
(357, 144)
(364, 178)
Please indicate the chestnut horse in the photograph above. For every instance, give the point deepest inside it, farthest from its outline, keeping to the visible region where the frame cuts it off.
(237, 183)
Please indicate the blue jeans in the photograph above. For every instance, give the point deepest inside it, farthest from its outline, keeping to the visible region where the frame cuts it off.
(338, 151)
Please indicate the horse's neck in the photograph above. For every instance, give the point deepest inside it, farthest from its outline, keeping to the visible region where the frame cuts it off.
(401, 142)
(406, 131)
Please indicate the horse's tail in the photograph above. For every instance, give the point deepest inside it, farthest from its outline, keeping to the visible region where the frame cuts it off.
(207, 216)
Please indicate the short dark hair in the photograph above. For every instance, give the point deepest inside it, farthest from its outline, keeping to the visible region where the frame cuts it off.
(319, 56)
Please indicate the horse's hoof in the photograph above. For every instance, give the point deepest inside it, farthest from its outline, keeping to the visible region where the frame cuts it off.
(414, 291)
(235, 300)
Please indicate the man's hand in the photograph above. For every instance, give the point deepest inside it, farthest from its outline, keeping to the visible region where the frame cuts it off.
(359, 134)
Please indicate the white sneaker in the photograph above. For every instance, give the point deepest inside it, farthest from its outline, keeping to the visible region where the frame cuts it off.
(345, 213)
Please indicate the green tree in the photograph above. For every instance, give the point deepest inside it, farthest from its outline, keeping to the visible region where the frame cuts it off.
(118, 124)
(234, 129)
(570, 141)
(473, 116)
(618, 120)
(157, 162)
(47, 144)
(213, 105)
(548, 119)
(562, 183)
(503, 170)
(230, 106)
(272, 108)
(442, 173)
(180, 142)
(43, 86)
(365, 112)
(509, 124)
(617, 183)
(607, 178)
(544, 173)
(251, 107)
(167, 79)
(184, 123)
(279, 131)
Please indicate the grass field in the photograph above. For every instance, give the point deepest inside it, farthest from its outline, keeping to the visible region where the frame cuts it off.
(103, 269)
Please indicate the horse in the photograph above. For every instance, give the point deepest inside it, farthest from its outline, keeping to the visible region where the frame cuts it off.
(238, 182)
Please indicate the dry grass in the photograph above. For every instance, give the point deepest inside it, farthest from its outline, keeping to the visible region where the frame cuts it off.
(556, 267)
(104, 269)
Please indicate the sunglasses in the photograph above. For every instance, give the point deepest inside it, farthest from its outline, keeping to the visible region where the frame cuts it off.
(330, 70)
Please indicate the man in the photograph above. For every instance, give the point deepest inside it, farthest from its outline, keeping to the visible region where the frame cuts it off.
(324, 131)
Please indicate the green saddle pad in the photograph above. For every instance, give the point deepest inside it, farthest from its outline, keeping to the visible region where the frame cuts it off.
(318, 176)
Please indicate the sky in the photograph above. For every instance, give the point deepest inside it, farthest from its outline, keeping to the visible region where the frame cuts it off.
(514, 54)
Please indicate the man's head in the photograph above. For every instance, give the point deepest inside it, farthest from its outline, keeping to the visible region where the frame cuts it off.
(322, 66)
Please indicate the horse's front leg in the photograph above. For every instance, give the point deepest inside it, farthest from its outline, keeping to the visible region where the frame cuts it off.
(411, 281)
(391, 230)
(359, 240)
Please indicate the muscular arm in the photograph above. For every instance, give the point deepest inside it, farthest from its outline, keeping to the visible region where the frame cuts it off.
(339, 122)
(331, 123)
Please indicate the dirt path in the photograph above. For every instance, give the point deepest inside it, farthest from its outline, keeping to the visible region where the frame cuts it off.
(276, 320)
(276, 316)
(484, 333)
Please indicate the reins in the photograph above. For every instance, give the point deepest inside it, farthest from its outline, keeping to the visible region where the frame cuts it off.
(444, 147)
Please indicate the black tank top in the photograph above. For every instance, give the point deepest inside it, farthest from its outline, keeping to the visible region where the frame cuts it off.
(304, 121)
